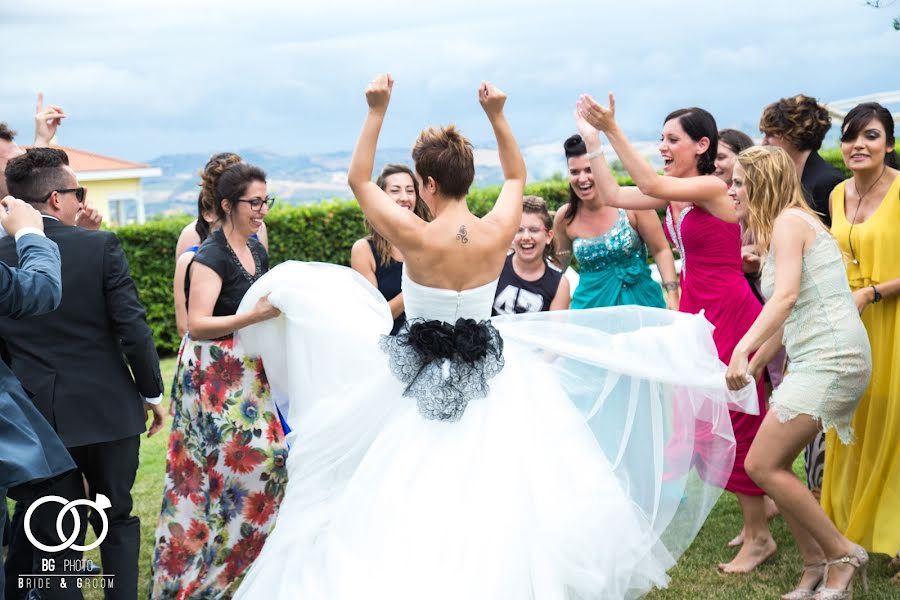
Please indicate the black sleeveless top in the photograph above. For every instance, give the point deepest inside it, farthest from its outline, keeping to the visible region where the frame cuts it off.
(389, 280)
(515, 295)
(216, 254)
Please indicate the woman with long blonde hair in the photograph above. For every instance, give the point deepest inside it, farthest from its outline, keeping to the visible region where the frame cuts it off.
(811, 310)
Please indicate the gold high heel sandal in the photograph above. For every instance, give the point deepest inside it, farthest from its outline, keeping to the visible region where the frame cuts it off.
(859, 560)
(804, 593)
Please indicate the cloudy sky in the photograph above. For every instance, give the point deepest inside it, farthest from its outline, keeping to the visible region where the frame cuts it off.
(141, 78)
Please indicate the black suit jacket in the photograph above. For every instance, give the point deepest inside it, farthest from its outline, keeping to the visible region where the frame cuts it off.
(75, 360)
(818, 179)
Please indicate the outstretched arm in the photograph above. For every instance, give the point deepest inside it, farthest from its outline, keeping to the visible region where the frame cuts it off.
(705, 191)
(507, 211)
(399, 226)
(788, 239)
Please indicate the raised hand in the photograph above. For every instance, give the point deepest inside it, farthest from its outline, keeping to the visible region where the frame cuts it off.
(46, 121)
(588, 132)
(378, 92)
(19, 214)
(600, 117)
(491, 98)
(89, 217)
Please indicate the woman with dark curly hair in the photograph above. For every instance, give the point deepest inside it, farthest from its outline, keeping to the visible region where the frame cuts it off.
(798, 126)
(225, 465)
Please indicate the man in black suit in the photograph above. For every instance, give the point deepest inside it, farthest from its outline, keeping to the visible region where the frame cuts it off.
(91, 366)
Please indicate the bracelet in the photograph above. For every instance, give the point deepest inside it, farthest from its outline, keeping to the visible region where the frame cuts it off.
(593, 155)
(670, 286)
(876, 295)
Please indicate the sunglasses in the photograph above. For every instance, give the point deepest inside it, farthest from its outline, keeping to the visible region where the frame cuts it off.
(80, 193)
(257, 203)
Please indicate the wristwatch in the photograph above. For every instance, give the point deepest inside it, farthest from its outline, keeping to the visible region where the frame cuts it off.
(876, 295)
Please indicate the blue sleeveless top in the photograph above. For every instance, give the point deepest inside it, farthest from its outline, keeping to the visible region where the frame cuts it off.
(613, 269)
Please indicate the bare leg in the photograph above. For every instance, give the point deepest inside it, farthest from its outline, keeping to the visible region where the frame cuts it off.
(759, 544)
(769, 464)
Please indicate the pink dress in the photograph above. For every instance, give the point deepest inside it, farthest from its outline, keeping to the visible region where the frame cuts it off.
(712, 282)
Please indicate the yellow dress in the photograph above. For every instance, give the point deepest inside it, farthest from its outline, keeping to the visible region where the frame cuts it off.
(861, 489)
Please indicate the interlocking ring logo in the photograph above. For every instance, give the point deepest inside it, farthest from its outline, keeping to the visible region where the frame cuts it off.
(100, 506)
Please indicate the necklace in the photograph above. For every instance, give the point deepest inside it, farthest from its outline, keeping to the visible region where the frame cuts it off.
(856, 212)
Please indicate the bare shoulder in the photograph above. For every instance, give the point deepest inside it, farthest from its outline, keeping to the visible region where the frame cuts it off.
(561, 213)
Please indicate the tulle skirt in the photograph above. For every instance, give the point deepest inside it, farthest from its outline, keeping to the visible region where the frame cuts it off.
(576, 476)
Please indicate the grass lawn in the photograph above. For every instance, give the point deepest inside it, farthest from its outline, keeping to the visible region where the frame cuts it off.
(695, 575)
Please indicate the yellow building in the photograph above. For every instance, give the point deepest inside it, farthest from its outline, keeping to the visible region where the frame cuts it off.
(113, 185)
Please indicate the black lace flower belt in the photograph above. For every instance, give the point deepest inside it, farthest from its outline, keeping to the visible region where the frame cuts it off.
(444, 366)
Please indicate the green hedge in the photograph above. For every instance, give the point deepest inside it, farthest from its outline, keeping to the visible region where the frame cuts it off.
(315, 232)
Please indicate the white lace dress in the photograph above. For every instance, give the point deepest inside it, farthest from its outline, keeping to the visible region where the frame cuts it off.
(825, 340)
(562, 469)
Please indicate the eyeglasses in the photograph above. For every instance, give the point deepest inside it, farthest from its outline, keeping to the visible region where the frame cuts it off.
(257, 203)
(531, 230)
(80, 193)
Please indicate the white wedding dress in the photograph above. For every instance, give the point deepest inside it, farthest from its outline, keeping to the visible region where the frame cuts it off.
(586, 470)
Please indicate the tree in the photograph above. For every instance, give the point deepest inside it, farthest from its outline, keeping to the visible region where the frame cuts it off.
(885, 4)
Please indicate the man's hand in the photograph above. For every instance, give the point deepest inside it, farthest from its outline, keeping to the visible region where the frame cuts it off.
(46, 121)
(89, 218)
(378, 93)
(17, 214)
(158, 417)
(491, 98)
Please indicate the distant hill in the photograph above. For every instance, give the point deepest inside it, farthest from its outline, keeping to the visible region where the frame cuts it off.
(308, 178)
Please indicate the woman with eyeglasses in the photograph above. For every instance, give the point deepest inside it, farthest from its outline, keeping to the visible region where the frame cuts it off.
(225, 468)
(610, 244)
(198, 230)
(531, 280)
(377, 259)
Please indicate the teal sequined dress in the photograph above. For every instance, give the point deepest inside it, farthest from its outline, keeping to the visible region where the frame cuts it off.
(614, 269)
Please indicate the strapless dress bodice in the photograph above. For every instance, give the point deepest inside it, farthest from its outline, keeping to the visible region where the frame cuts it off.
(438, 304)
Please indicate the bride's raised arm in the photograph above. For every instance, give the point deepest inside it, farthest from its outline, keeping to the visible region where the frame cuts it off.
(507, 211)
(705, 191)
(398, 225)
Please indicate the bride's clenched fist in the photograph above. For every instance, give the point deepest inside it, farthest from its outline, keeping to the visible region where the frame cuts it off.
(378, 92)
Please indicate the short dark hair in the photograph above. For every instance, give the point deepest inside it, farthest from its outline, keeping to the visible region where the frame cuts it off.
(799, 120)
(699, 124)
(736, 140)
(6, 133)
(233, 182)
(445, 155)
(32, 176)
(862, 115)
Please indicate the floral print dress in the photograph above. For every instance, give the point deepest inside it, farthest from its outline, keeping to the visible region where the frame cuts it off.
(225, 472)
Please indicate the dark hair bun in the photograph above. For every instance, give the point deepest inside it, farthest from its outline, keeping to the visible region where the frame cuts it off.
(574, 146)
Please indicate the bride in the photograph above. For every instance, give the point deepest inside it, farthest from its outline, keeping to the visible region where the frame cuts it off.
(546, 456)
